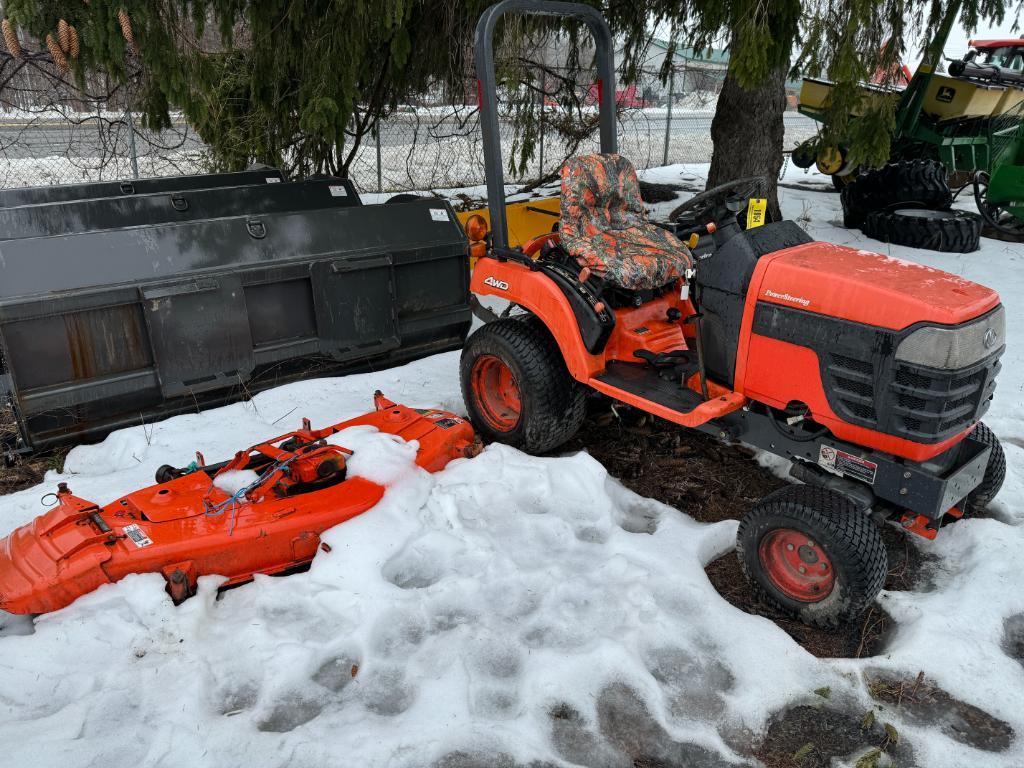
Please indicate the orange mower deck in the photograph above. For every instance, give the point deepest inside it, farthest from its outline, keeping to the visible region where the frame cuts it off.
(188, 527)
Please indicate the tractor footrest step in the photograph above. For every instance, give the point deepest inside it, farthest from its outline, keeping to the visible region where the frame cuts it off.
(643, 381)
(647, 388)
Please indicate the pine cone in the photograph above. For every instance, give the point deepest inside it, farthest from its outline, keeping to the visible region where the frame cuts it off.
(64, 36)
(126, 26)
(73, 47)
(58, 55)
(11, 38)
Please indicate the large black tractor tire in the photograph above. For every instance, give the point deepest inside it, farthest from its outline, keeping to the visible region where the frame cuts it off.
(951, 231)
(813, 553)
(920, 183)
(517, 388)
(995, 472)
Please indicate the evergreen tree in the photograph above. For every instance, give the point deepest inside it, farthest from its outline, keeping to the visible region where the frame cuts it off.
(301, 84)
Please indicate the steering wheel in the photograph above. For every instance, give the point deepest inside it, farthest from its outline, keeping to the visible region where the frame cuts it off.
(732, 195)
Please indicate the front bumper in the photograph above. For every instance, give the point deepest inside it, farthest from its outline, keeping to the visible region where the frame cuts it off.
(929, 489)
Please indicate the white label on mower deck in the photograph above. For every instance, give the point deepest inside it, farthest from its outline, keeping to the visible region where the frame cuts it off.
(138, 537)
(846, 464)
(439, 214)
(273, 180)
(338, 190)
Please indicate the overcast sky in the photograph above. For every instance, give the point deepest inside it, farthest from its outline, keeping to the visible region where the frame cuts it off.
(956, 46)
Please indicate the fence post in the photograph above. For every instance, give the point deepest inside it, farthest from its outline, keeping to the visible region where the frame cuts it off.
(376, 135)
(668, 114)
(543, 98)
(131, 142)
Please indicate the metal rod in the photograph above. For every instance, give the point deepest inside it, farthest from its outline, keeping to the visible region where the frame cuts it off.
(543, 98)
(668, 116)
(380, 177)
(131, 143)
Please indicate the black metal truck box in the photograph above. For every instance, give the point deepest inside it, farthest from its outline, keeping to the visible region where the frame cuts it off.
(76, 216)
(109, 328)
(58, 193)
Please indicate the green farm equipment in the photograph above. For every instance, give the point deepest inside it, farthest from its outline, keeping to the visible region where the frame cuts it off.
(971, 120)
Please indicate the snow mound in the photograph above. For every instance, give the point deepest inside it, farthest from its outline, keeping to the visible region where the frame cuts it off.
(506, 610)
(235, 480)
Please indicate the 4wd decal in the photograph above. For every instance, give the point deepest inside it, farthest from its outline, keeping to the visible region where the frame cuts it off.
(846, 464)
(501, 285)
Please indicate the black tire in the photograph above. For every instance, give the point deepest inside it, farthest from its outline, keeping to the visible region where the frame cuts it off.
(951, 231)
(553, 404)
(920, 183)
(404, 197)
(850, 540)
(995, 472)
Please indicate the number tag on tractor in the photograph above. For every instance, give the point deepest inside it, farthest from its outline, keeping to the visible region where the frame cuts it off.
(756, 209)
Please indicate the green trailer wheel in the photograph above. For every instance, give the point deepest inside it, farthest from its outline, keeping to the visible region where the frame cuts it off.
(1000, 203)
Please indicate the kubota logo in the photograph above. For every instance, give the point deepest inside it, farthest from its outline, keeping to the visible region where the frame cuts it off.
(501, 285)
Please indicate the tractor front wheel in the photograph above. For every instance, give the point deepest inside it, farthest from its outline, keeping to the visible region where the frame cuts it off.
(813, 553)
(516, 386)
(995, 472)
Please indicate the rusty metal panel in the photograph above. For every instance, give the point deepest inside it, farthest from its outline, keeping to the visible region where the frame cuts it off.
(106, 328)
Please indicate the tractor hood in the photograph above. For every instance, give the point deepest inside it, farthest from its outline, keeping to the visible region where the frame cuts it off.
(868, 288)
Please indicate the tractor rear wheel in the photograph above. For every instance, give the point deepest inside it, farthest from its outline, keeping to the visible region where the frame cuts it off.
(813, 553)
(995, 472)
(950, 231)
(516, 386)
(921, 183)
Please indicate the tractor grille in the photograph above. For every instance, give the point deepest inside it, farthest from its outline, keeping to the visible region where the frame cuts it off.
(909, 401)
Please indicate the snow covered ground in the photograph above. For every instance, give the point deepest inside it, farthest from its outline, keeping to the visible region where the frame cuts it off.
(506, 610)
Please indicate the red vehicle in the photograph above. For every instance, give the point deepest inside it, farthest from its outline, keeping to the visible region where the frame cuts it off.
(189, 525)
(869, 373)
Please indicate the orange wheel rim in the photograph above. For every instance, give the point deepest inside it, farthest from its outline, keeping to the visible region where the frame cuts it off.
(797, 565)
(496, 393)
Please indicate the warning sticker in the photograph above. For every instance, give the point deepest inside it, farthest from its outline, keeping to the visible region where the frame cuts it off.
(137, 535)
(273, 180)
(448, 423)
(439, 214)
(846, 464)
(338, 190)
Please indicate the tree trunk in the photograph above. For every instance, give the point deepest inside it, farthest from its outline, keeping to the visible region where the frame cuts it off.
(748, 133)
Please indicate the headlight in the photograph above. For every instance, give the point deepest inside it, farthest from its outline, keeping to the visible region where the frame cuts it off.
(955, 348)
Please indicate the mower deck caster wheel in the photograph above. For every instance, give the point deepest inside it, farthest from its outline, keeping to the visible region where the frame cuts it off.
(813, 553)
(516, 386)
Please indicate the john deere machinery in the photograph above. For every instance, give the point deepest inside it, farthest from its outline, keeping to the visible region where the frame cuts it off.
(970, 120)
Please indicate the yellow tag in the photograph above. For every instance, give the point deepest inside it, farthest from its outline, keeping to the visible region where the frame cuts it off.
(691, 243)
(756, 209)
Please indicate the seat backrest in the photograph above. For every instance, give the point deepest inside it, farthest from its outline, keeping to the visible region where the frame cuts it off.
(599, 193)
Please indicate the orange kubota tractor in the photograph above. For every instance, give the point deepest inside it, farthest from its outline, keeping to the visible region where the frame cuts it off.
(869, 373)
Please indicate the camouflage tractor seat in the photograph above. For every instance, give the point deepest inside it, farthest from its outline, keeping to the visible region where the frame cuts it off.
(604, 226)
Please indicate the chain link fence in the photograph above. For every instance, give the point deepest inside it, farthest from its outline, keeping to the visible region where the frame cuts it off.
(428, 145)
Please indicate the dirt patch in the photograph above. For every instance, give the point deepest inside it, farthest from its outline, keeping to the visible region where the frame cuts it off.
(712, 482)
(679, 467)
(1013, 637)
(807, 736)
(922, 703)
(18, 472)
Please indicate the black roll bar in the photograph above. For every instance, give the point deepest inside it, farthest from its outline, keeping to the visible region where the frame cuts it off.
(487, 85)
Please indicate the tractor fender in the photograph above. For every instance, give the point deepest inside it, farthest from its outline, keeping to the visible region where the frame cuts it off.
(538, 293)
